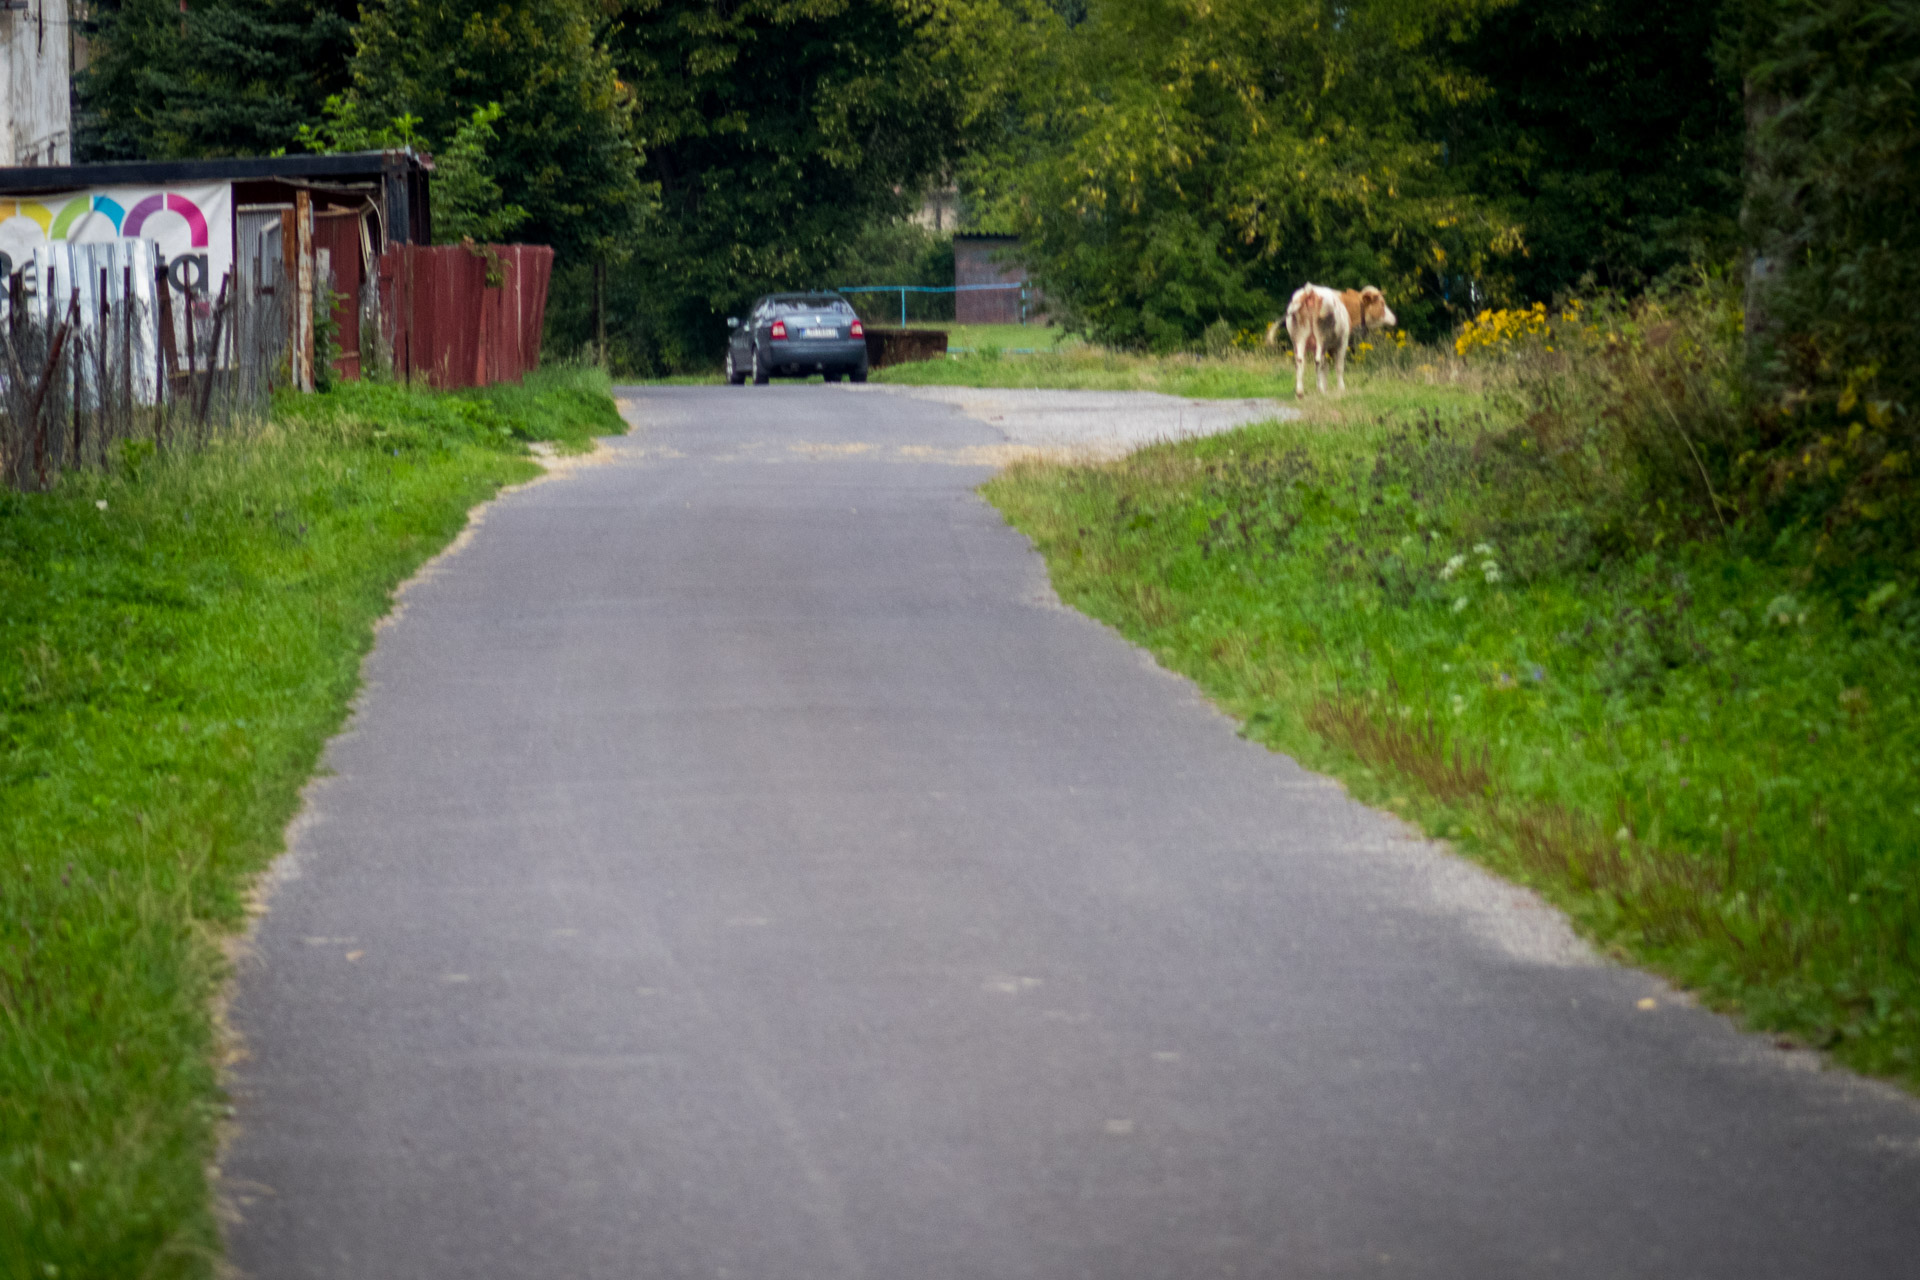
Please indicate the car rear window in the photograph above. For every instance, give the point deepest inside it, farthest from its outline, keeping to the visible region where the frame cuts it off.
(811, 306)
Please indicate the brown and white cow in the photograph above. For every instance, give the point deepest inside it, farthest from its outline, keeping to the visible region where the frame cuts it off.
(1317, 322)
(1323, 322)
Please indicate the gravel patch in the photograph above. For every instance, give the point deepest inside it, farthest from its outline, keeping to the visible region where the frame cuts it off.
(1102, 423)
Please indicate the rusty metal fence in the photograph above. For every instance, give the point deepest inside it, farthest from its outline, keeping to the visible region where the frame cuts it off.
(464, 315)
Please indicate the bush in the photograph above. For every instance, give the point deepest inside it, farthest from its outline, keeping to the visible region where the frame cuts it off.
(1639, 422)
(1832, 184)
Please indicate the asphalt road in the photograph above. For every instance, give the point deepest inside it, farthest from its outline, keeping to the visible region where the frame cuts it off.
(741, 866)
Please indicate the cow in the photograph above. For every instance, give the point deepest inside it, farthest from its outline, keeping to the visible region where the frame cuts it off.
(1325, 323)
(1317, 322)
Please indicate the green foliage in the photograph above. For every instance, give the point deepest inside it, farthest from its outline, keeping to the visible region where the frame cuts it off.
(1176, 164)
(773, 131)
(1608, 130)
(1706, 766)
(898, 252)
(218, 78)
(1633, 419)
(467, 202)
(346, 125)
(180, 637)
(326, 336)
(562, 147)
(1835, 180)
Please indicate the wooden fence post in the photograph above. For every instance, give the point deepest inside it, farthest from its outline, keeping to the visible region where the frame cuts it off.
(303, 293)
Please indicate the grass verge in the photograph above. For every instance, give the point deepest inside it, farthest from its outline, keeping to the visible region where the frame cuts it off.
(1004, 338)
(1708, 766)
(1380, 382)
(178, 639)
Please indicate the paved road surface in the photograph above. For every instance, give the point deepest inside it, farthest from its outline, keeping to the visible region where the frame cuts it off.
(740, 866)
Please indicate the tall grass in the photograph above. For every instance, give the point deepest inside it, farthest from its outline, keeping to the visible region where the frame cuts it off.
(1659, 420)
(178, 638)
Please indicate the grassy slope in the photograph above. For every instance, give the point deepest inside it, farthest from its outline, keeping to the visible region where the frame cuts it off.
(1710, 784)
(177, 641)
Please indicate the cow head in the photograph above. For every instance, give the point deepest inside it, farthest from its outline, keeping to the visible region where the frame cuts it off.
(1374, 311)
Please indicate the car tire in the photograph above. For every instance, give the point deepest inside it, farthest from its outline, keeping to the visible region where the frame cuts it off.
(734, 377)
(760, 374)
(859, 375)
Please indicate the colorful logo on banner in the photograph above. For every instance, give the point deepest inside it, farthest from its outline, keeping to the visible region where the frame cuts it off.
(96, 216)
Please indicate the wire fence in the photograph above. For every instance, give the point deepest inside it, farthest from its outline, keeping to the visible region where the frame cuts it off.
(100, 345)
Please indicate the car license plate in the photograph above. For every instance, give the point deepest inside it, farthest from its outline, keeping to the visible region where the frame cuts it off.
(819, 333)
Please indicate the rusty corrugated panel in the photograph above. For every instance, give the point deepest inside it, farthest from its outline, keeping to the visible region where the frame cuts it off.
(446, 322)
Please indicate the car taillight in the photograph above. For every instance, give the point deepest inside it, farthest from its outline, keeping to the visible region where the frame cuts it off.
(859, 330)
(779, 329)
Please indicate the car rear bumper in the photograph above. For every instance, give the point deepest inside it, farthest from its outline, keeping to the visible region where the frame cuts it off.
(816, 355)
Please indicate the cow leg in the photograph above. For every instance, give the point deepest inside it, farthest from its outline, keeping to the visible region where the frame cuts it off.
(1340, 365)
(1299, 367)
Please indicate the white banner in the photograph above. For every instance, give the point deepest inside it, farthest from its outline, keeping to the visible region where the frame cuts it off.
(191, 226)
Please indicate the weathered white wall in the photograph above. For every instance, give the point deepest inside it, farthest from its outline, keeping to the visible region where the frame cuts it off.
(36, 121)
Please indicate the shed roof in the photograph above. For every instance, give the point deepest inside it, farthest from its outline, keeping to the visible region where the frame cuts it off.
(344, 166)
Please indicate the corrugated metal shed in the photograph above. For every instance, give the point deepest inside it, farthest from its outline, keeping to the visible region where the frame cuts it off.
(397, 183)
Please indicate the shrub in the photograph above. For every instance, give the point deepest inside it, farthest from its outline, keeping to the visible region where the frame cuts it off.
(1504, 330)
(1832, 183)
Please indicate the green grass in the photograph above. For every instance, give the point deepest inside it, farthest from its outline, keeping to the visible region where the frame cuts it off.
(1383, 385)
(177, 641)
(1708, 766)
(713, 379)
(1002, 337)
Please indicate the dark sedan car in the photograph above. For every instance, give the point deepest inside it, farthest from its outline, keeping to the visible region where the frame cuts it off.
(794, 335)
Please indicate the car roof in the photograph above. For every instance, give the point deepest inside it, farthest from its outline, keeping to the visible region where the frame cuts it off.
(811, 299)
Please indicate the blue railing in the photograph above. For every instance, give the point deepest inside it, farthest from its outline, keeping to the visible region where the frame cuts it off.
(904, 289)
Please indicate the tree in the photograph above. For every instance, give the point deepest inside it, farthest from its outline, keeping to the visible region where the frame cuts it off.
(1173, 163)
(1834, 178)
(1609, 129)
(225, 77)
(774, 132)
(467, 201)
(563, 147)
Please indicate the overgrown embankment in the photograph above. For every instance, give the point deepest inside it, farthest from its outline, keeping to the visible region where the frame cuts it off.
(1506, 619)
(178, 638)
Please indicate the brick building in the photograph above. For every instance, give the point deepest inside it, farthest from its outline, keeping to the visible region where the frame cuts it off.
(990, 260)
